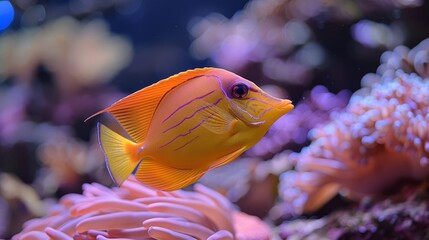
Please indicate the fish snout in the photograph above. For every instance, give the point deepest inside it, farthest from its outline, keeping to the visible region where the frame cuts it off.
(285, 106)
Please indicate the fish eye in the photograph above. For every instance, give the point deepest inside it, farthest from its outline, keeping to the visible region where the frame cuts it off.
(240, 90)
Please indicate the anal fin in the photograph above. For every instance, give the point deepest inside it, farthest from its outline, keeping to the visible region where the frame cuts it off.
(164, 177)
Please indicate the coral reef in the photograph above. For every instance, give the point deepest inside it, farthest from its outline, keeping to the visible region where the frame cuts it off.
(55, 71)
(135, 211)
(403, 216)
(280, 36)
(380, 139)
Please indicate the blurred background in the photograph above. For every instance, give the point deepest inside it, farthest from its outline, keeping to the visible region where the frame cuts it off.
(61, 61)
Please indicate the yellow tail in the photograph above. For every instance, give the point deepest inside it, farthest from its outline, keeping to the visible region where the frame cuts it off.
(121, 154)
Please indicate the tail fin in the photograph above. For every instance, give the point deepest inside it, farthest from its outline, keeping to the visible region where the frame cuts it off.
(121, 154)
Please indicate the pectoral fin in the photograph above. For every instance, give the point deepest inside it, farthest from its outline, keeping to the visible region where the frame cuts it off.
(218, 120)
(166, 178)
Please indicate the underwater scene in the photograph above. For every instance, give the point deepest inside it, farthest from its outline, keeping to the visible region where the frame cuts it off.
(248, 119)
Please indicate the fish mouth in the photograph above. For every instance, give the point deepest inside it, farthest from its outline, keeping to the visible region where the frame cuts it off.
(285, 106)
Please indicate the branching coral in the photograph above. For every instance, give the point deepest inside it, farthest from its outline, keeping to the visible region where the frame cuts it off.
(262, 33)
(279, 36)
(373, 34)
(135, 212)
(12, 189)
(18, 203)
(66, 160)
(381, 138)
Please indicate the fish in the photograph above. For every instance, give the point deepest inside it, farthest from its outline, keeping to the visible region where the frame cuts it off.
(186, 125)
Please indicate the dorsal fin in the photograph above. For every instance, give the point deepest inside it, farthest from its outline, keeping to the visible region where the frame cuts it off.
(135, 111)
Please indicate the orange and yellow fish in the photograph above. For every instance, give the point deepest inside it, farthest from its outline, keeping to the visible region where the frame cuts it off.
(186, 125)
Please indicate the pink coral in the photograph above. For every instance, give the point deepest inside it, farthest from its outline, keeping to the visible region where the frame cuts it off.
(381, 138)
(135, 211)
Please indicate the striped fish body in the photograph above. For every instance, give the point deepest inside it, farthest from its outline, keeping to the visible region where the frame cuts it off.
(183, 135)
(186, 125)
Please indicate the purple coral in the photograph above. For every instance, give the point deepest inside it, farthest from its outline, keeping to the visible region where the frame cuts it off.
(135, 211)
(381, 138)
(280, 38)
(293, 128)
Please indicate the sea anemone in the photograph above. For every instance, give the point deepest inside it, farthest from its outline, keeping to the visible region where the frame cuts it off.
(135, 211)
(380, 139)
